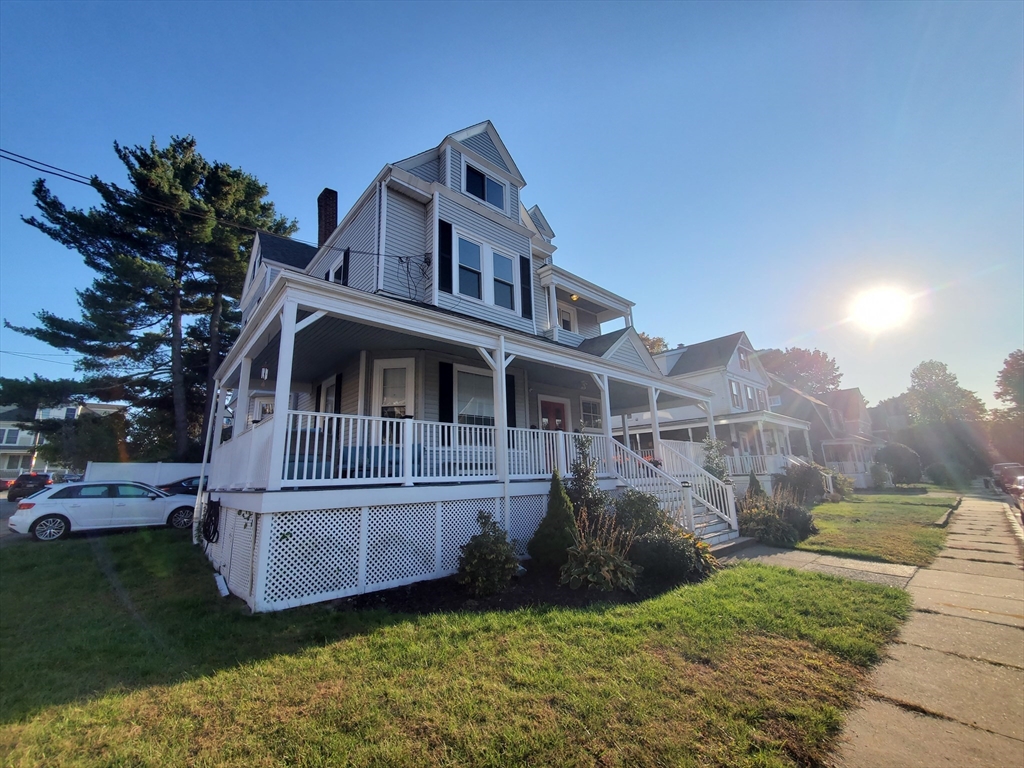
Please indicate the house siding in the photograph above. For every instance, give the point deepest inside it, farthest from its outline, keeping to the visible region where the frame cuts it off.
(360, 236)
(405, 269)
(350, 386)
(455, 169)
(506, 241)
(587, 325)
(482, 144)
(626, 354)
(428, 171)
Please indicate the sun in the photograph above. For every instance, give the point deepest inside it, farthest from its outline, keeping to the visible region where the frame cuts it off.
(881, 309)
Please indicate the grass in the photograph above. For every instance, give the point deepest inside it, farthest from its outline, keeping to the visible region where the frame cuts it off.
(891, 527)
(117, 651)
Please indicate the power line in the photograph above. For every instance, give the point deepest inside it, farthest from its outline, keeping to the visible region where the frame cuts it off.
(38, 165)
(33, 357)
(48, 354)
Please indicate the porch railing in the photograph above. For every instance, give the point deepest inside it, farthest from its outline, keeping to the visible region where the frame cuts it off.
(244, 460)
(848, 467)
(713, 493)
(639, 473)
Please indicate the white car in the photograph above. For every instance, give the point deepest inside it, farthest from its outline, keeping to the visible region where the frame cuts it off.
(54, 512)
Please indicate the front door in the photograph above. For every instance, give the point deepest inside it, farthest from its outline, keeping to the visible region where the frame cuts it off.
(553, 415)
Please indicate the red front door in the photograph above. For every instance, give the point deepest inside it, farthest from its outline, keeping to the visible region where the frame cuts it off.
(552, 415)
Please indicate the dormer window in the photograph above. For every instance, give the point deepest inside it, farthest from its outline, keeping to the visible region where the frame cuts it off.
(744, 360)
(484, 187)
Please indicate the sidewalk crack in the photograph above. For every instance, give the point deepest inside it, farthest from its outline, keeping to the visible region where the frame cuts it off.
(917, 708)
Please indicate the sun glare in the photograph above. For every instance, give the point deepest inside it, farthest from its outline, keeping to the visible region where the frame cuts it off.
(880, 309)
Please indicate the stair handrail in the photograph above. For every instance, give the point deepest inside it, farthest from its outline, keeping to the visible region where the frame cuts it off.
(713, 493)
(641, 475)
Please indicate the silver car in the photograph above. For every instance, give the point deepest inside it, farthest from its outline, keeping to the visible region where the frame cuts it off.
(53, 513)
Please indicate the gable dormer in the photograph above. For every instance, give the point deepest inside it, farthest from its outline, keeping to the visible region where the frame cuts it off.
(477, 164)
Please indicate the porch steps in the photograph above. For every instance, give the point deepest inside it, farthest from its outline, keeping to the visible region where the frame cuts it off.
(711, 528)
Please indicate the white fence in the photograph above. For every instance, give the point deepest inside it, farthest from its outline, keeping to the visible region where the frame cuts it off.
(155, 473)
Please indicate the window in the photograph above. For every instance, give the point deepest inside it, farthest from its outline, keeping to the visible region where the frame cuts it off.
(590, 414)
(2, 431)
(470, 269)
(737, 397)
(744, 360)
(751, 402)
(482, 186)
(474, 398)
(504, 282)
(12, 437)
(483, 273)
(132, 491)
(94, 492)
(775, 401)
(70, 413)
(13, 462)
(762, 400)
(567, 319)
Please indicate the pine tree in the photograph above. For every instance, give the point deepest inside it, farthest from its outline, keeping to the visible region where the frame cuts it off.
(554, 535)
(163, 254)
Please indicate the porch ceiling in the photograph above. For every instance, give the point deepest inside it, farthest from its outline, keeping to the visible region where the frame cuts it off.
(321, 347)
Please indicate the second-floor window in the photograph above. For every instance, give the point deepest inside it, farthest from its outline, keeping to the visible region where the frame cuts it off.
(484, 187)
(762, 400)
(470, 269)
(751, 402)
(11, 438)
(737, 396)
(485, 274)
(504, 281)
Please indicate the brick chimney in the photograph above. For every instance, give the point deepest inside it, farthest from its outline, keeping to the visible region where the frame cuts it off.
(327, 214)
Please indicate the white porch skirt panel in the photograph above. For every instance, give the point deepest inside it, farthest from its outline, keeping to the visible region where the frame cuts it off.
(285, 559)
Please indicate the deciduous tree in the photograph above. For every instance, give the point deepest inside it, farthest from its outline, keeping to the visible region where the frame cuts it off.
(1010, 381)
(808, 370)
(654, 344)
(935, 395)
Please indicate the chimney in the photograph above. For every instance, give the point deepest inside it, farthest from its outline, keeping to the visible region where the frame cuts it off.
(327, 214)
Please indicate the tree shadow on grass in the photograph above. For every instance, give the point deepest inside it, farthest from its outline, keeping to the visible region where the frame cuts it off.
(119, 611)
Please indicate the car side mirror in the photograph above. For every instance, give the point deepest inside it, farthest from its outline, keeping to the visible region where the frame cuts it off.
(153, 497)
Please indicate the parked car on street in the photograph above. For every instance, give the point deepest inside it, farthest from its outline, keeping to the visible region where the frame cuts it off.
(54, 512)
(73, 477)
(4, 484)
(1006, 474)
(187, 485)
(27, 484)
(1016, 489)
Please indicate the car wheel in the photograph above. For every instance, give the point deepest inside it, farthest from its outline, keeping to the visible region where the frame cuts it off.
(180, 518)
(50, 528)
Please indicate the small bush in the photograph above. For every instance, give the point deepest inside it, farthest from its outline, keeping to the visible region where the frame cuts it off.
(754, 486)
(639, 512)
(879, 475)
(582, 487)
(767, 527)
(488, 561)
(671, 556)
(798, 517)
(551, 541)
(902, 461)
(714, 458)
(803, 481)
(842, 485)
(598, 557)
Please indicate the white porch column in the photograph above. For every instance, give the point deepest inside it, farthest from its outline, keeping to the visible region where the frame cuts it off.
(282, 395)
(760, 434)
(203, 482)
(553, 311)
(652, 400)
(496, 361)
(606, 417)
(625, 430)
(789, 445)
(242, 401)
(711, 420)
(807, 443)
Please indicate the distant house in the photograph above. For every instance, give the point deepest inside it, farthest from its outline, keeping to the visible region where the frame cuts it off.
(840, 428)
(426, 360)
(759, 439)
(19, 446)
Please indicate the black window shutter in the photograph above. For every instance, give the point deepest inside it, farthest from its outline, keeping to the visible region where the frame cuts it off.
(445, 393)
(510, 400)
(444, 259)
(337, 393)
(525, 286)
(344, 267)
(319, 392)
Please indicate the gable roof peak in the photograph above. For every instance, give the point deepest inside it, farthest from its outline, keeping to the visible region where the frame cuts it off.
(488, 127)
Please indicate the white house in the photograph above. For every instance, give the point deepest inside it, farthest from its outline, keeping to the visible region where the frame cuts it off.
(758, 438)
(18, 446)
(426, 360)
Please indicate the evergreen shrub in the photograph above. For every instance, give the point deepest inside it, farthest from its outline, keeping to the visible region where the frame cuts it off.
(488, 561)
(639, 512)
(550, 542)
(671, 556)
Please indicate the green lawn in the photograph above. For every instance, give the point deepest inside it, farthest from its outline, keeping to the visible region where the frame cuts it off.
(116, 650)
(891, 527)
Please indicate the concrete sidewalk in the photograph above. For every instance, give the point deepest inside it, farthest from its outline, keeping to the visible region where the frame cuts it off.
(951, 692)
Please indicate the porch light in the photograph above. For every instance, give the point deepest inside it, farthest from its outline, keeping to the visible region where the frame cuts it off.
(574, 297)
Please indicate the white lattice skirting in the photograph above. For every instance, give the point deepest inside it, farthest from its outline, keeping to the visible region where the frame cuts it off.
(278, 560)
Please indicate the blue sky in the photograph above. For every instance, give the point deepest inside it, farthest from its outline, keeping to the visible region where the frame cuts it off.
(727, 166)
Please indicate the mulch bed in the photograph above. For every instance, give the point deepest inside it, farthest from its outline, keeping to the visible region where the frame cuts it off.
(533, 589)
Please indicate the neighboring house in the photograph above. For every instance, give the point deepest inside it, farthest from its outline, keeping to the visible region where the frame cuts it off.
(425, 361)
(840, 428)
(18, 446)
(758, 438)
